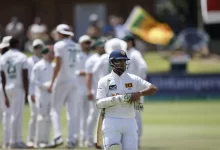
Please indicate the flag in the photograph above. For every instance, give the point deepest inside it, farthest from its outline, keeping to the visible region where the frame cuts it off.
(143, 25)
(210, 11)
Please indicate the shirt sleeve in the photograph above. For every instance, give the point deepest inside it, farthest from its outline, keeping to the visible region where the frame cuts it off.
(142, 84)
(101, 90)
(58, 49)
(35, 80)
(141, 65)
(89, 66)
(97, 66)
(25, 63)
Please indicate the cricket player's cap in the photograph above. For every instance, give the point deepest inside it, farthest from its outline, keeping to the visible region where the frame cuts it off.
(84, 38)
(99, 43)
(118, 55)
(115, 44)
(5, 42)
(128, 38)
(64, 29)
(37, 42)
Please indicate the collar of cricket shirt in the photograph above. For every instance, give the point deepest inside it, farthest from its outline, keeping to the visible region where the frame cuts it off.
(115, 76)
(14, 49)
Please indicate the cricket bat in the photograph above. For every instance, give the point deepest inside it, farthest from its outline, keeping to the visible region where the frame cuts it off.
(99, 129)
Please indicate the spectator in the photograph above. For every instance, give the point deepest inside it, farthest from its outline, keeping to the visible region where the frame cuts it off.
(38, 30)
(14, 28)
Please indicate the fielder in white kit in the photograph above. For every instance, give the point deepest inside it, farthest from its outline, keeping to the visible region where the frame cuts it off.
(37, 47)
(4, 47)
(138, 67)
(102, 68)
(41, 77)
(14, 70)
(91, 83)
(119, 94)
(83, 103)
(64, 87)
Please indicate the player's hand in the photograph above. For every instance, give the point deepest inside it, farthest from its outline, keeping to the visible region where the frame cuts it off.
(82, 73)
(90, 96)
(7, 103)
(33, 98)
(135, 97)
(49, 90)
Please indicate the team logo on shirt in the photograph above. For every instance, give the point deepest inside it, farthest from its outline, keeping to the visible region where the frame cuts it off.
(112, 87)
(128, 85)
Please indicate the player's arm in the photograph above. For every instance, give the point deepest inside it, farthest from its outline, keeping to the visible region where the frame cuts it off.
(144, 89)
(55, 72)
(58, 61)
(3, 88)
(89, 85)
(88, 68)
(25, 81)
(25, 77)
(105, 102)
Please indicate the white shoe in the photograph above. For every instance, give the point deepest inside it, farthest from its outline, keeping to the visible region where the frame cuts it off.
(30, 144)
(6, 146)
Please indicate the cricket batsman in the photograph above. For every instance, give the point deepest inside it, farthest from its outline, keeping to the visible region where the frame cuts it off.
(4, 47)
(14, 72)
(91, 83)
(41, 77)
(119, 94)
(37, 47)
(64, 87)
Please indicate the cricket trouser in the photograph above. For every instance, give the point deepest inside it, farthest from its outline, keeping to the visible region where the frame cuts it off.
(5, 119)
(43, 104)
(140, 126)
(92, 122)
(32, 122)
(120, 131)
(16, 99)
(83, 111)
(6, 125)
(65, 93)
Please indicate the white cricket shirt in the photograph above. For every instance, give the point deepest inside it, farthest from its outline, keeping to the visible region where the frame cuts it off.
(90, 63)
(67, 50)
(81, 59)
(31, 62)
(102, 67)
(41, 75)
(137, 64)
(12, 63)
(112, 85)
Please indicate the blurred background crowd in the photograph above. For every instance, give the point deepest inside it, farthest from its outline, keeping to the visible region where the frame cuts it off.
(194, 27)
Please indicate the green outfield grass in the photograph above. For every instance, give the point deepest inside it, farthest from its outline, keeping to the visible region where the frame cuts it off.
(189, 125)
(156, 64)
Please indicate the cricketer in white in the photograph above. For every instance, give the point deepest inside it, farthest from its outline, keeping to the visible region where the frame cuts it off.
(63, 78)
(37, 46)
(83, 103)
(14, 72)
(119, 94)
(41, 77)
(4, 47)
(92, 83)
(137, 66)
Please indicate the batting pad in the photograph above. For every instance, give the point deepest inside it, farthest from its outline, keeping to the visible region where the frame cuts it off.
(115, 147)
